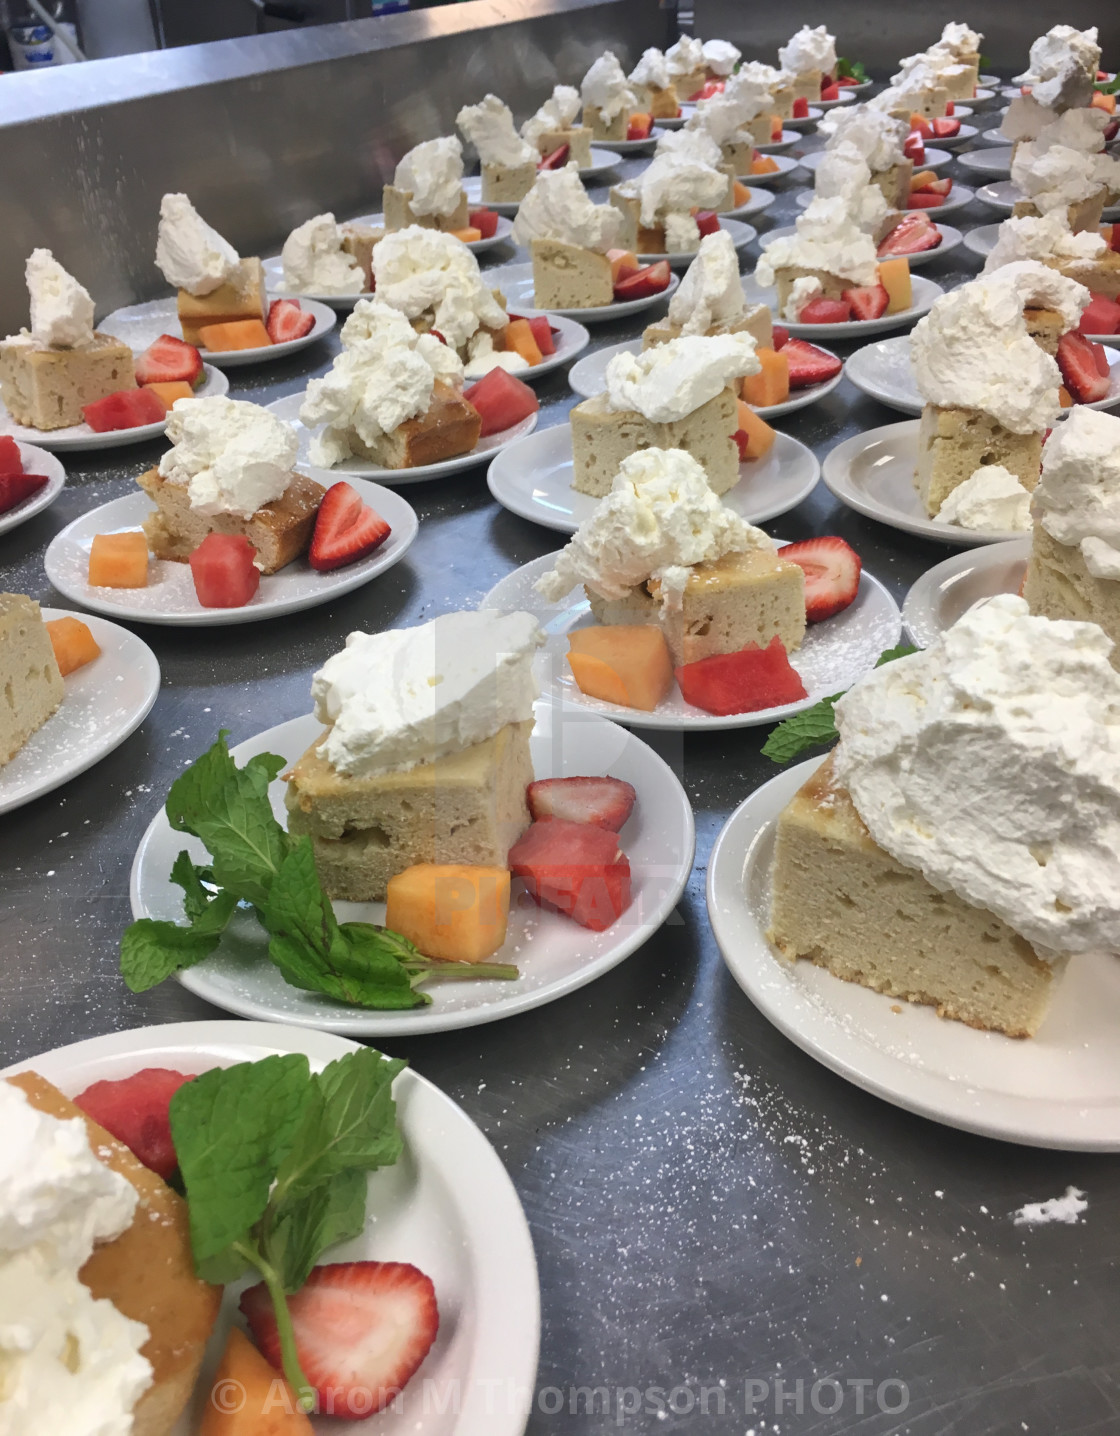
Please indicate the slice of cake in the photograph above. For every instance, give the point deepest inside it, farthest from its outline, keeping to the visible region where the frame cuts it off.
(710, 300)
(568, 238)
(738, 119)
(654, 91)
(554, 126)
(844, 174)
(827, 254)
(1065, 168)
(1084, 257)
(660, 204)
(31, 686)
(687, 67)
(51, 371)
(779, 83)
(1063, 68)
(877, 137)
(509, 163)
(316, 260)
(608, 100)
(809, 56)
(215, 285)
(358, 241)
(427, 189)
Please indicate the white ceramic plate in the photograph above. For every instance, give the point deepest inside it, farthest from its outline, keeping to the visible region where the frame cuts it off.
(635, 147)
(476, 246)
(934, 159)
(954, 142)
(556, 956)
(950, 238)
(834, 654)
(448, 1206)
(288, 410)
(982, 99)
(602, 160)
(105, 702)
(950, 588)
(741, 235)
(534, 479)
(81, 436)
(516, 283)
(170, 596)
(35, 461)
(786, 166)
(923, 292)
(847, 95)
(761, 199)
(957, 198)
(1004, 195)
(982, 239)
(873, 473)
(990, 161)
(789, 138)
(679, 121)
(994, 137)
(883, 370)
(139, 325)
(1060, 1089)
(588, 378)
(805, 123)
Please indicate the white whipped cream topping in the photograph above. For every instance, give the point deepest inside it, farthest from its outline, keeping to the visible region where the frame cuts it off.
(489, 127)
(659, 520)
(315, 262)
(1078, 496)
(483, 357)
(691, 143)
(960, 39)
(1065, 163)
(557, 113)
(991, 498)
(425, 272)
(711, 291)
(672, 380)
(827, 238)
(412, 695)
(558, 208)
(973, 351)
(232, 457)
(936, 63)
(1043, 237)
(1025, 119)
(911, 85)
(877, 136)
(1062, 67)
(606, 88)
(721, 56)
(809, 49)
(61, 309)
(70, 1363)
(432, 172)
(190, 254)
(673, 184)
(991, 764)
(802, 293)
(685, 57)
(845, 174)
(652, 70)
(723, 116)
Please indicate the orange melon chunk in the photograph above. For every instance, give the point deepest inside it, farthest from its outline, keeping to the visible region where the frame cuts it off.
(453, 911)
(468, 234)
(74, 645)
(741, 193)
(1107, 103)
(171, 390)
(519, 337)
(764, 165)
(119, 561)
(921, 179)
(622, 262)
(771, 385)
(1065, 399)
(775, 128)
(265, 1404)
(627, 664)
(760, 436)
(234, 334)
(894, 276)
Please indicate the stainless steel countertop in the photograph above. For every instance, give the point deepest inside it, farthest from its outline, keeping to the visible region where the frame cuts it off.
(714, 1212)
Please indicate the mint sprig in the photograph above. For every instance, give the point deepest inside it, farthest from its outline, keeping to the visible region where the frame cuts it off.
(1108, 87)
(254, 860)
(816, 726)
(850, 70)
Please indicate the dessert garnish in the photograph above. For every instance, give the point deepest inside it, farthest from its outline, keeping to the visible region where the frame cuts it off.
(815, 727)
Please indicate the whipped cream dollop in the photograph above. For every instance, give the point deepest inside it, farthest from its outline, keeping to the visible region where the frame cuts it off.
(70, 1363)
(1077, 500)
(809, 49)
(685, 57)
(711, 291)
(973, 350)
(991, 498)
(876, 135)
(1025, 119)
(672, 380)
(724, 116)
(424, 272)
(557, 113)
(844, 174)
(937, 64)
(315, 262)
(606, 88)
(691, 143)
(1062, 67)
(190, 254)
(1044, 237)
(959, 38)
(432, 173)
(1065, 162)
(909, 88)
(827, 238)
(991, 763)
(652, 70)
(61, 309)
(231, 456)
(720, 56)
(674, 184)
(489, 127)
(558, 208)
(412, 695)
(659, 520)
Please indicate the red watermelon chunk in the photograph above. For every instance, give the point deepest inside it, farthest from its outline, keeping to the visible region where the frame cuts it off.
(223, 570)
(744, 682)
(135, 1110)
(502, 400)
(126, 409)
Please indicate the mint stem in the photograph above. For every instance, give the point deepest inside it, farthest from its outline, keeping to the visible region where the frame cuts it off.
(441, 971)
(293, 1371)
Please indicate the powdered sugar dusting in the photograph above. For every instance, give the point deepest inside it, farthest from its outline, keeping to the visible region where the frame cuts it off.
(1065, 1209)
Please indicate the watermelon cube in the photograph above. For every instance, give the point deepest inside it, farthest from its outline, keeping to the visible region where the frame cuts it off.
(126, 409)
(223, 570)
(744, 682)
(502, 400)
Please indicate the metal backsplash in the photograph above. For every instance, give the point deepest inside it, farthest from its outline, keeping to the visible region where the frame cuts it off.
(262, 133)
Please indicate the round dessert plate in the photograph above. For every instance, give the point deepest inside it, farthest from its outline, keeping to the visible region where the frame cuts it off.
(882, 370)
(1005, 196)
(834, 654)
(635, 147)
(588, 378)
(602, 160)
(950, 588)
(533, 478)
(288, 410)
(982, 99)
(81, 436)
(924, 293)
(741, 235)
(993, 82)
(786, 166)
(805, 122)
(760, 199)
(170, 596)
(447, 1206)
(957, 198)
(995, 160)
(934, 159)
(776, 147)
(873, 473)
(950, 238)
(35, 461)
(994, 137)
(555, 956)
(982, 239)
(516, 283)
(678, 122)
(1059, 1089)
(377, 221)
(105, 702)
(960, 112)
(139, 325)
(846, 96)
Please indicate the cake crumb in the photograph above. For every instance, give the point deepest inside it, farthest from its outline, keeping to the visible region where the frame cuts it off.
(1065, 1209)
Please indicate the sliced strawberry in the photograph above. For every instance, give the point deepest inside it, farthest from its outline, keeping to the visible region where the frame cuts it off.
(937, 186)
(827, 80)
(1102, 360)
(808, 364)
(868, 301)
(11, 460)
(287, 321)
(346, 529)
(825, 311)
(920, 126)
(1101, 315)
(652, 279)
(911, 238)
(484, 220)
(223, 571)
(135, 1110)
(781, 336)
(921, 199)
(830, 92)
(575, 868)
(126, 409)
(707, 221)
(832, 570)
(945, 127)
(362, 1328)
(745, 682)
(708, 90)
(169, 361)
(604, 802)
(801, 108)
(15, 488)
(1112, 129)
(502, 399)
(950, 107)
(847, 82)
(1079, 369)
(914, 149)
(639, 126)
(556, 160)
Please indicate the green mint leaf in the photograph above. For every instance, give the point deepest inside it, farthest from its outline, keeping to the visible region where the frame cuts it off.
(817, 725)
(151, 951)
(1109, 87)
(889, 655)
(307, 1226)
(192, 879)
(851, 70)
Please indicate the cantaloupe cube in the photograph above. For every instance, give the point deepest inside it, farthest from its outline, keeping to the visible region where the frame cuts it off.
(894, 276)
(520, 338)
(764, 165)
(741, 193)
(1104, 102)
(452, 911)
(771, 385)
(119, 561)
(234, 334)
(628, 664)
(1065, 398)
(921, 179)
(74, 645)
(760, 436)
(468, 234)
(171, 390)
(250, 1397)
(622, 262)
(775, 128)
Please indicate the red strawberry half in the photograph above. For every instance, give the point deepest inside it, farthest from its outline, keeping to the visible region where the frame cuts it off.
(135, 1110)
(362, 1328)
(832, 570)
(781, 336)
(808, 364)
(575, 868)
(14, 488)
(1080, 371)
(169, 361)
(868, 301)
(604, 802)
(912, 235)
(825, 311)
(651, 279)
(923, 199)
(556, 160)
(801, 108)
(346, 529)
(11, 460)
(945, 127)
(287, 321)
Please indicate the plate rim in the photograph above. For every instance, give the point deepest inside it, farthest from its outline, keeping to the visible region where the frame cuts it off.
(325, 320)
(921, 591)
(43, 498)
